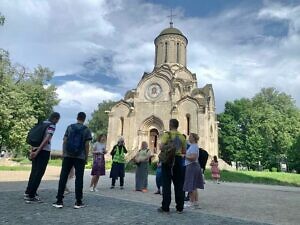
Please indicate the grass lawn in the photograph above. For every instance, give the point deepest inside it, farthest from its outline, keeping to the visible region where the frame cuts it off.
(15, 168)
(273, 178)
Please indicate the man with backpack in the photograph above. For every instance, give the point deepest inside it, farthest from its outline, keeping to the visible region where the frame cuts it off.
(75, 153)
(39, 137)
(173, 147)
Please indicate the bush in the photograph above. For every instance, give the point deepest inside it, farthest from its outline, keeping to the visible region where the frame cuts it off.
(274, 169)
(130, 166)
(21, 160)
(108, 165)
(18, 159)
(89, 165)
(153, 166)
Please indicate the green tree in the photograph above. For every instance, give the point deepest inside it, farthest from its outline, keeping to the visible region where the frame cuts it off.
(25, 98)
(99, 122)
(261, 129)
(293, 156)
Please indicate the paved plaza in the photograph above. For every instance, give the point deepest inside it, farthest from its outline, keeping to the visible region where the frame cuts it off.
(225, 203)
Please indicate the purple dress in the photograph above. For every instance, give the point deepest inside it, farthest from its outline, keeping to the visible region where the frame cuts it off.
(98, 168)
(98, 165)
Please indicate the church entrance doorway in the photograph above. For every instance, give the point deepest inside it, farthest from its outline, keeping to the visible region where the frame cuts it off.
(153, 140)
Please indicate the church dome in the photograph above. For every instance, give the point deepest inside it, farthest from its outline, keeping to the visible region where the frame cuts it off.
(170, 30)
(170, 47)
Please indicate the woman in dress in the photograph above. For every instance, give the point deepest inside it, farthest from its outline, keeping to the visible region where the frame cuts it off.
(98, 161)
(215, 172)
(193, 174)
(141, 172)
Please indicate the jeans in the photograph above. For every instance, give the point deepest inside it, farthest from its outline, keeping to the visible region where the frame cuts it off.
(38, 168)
(158, 178)
(175, 174)
(67, 164)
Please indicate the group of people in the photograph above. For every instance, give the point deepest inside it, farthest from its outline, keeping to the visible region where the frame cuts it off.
(185, 171)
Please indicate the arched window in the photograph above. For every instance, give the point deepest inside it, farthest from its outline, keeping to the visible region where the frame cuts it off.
(188, 124)
(166, 52)
(177, 59)
(122, 125)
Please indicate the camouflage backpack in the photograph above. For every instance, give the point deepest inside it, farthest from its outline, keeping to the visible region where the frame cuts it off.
(168, 150)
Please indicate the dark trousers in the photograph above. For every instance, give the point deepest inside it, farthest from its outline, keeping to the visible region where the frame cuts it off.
(38, 168)
(113, 181)
(67, 164)
(158, 178)
(175, 174)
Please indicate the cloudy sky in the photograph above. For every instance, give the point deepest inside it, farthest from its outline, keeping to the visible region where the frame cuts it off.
(99, 49)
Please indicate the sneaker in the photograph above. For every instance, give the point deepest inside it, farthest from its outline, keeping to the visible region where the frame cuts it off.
(26, 196)
(96, 190)
(92, 189)
(187, 205)
(196, 206)
(157, 193)
(58, 204)
(161, 210)
(112, 187)
(79, 205)
(179, 212)
(33, 200)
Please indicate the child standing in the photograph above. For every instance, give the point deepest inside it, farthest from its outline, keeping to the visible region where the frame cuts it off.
(215, 172)
(158, 179)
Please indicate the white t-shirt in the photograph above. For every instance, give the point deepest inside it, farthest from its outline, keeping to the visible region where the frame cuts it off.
(50, 130)
(99, 147)
(193, 149)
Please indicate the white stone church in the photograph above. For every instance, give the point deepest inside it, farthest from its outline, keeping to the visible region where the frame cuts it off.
(169, 91)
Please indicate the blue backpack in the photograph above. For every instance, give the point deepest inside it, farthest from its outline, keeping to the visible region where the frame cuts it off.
(75, 141)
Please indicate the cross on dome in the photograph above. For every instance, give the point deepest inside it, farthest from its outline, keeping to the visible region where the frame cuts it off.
(171, 18)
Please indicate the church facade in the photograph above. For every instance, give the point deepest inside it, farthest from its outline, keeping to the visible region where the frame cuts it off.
(169, 91)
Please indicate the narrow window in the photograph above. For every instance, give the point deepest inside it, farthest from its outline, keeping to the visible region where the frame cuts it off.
(188, 121)
(122, 125)
(166, 52)
(156, 54)
(177, 60)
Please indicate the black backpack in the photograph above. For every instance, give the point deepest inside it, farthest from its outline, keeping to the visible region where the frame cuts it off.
(36, 134)
(75, 144)
(203, 157)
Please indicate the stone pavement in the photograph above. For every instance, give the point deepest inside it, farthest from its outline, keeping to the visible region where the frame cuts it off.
(226, 203)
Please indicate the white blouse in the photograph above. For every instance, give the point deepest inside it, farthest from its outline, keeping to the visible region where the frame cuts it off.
(99, 147)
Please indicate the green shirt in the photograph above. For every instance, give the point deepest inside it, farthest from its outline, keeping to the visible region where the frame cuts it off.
(165, 138)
